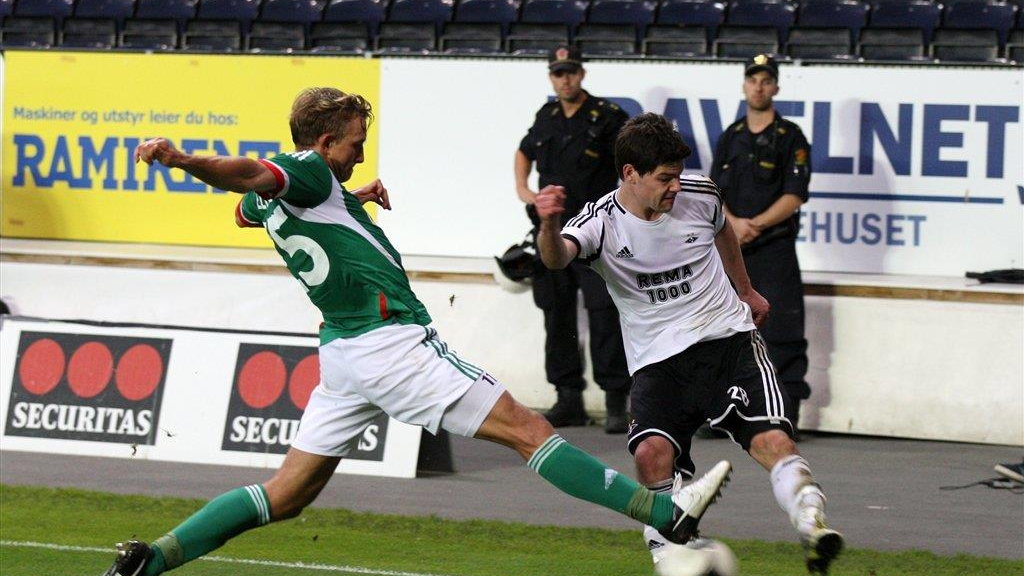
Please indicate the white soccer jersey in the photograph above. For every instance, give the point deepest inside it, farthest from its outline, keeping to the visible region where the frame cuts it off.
(665, 276)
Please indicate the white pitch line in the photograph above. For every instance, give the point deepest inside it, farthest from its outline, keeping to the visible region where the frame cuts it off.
(298, 565)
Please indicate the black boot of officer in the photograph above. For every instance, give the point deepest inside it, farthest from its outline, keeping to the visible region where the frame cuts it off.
(615, 404)
(568, 409)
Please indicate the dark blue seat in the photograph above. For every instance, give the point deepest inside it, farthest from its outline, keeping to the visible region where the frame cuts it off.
(244, 11)
(502, 12)
(639, 13)
(776, 14)
(474, 21)
(896, 14)
(631, 15)
(6, 7)
(177, 10)
(298, 11)
(851, 15)
(707, 14)
(437, 11)
(56, 9)
(571, 13)
(96, 23)
(985, 15)
(28, 31)
(117, 10)
(370, 13)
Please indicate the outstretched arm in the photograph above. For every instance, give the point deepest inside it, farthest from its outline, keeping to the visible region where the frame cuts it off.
(732, 259)
(556, 252)
(233, 173)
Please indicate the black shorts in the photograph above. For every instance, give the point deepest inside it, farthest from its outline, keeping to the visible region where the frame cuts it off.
(728, 382)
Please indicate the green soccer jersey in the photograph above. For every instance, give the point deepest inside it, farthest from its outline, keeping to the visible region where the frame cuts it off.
(343, 260)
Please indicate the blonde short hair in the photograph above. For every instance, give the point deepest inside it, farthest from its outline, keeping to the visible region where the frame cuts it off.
(322, 110)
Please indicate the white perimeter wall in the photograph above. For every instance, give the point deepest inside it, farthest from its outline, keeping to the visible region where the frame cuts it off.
(906, 368)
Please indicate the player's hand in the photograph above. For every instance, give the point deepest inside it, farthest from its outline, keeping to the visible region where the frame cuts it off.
(746, 230)
(550, 203)
(759, 307)
(159, 149)
(374, 192)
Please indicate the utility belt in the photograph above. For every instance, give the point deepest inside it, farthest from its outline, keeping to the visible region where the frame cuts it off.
(783, 230)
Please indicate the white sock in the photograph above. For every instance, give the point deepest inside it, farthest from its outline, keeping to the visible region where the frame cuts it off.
(657, 544)
(798, 494)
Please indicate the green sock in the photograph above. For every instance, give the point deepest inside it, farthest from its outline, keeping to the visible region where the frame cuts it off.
(223, 518)
(579, 474)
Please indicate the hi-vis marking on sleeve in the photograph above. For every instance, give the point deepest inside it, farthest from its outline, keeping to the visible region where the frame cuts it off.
(280, 177)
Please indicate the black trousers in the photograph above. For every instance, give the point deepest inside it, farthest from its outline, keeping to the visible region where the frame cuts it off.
(554, 292)
(775, 273)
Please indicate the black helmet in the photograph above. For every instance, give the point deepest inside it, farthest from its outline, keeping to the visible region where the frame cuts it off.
(518, 265)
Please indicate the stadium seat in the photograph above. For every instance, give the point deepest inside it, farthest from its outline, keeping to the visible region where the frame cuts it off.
(213, 36)
(670, 41)
(555, 13)
(116, 10)
(707, 14)
(414, 25)
(28, 32)
(56, 9)
(503, 12)
(296, 11)
(819, 43)
(606, 39)
(244, 11)
(406, 37)
(480, 26)
(178, 10)
(1014, 50)
(952, 45)
(745, 41)
(891, 44)
(94, 33)
(220, 25)
(637, 14)
(777, 14)
(472, 38)
(277, 37)
(849, 15)
(899, 30)
(983, 15)
(149, 34)
(920, 14)
(6, 7)
(368, 12)
(526, 38)
(342, 37)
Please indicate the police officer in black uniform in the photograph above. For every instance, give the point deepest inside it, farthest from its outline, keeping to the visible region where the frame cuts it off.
(762, 165)
(572, 144)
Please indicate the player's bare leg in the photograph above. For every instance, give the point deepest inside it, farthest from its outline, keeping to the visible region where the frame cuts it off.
(579, 474)
(654, 458)
(799, 495)
(295, 485)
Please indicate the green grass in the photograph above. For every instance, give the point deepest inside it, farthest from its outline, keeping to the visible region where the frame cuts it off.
(390, 543)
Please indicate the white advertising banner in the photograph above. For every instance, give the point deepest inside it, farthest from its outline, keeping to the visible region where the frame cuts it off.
(171, 394)
(915, 170)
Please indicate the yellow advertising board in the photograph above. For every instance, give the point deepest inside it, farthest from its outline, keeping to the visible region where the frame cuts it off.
(72, 121)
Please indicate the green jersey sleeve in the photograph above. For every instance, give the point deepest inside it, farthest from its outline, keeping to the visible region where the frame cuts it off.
(252, 211)
(303, 178)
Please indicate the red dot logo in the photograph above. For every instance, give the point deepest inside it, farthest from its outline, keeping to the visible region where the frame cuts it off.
(138, 372)
(262, 379)
(305, 377)
(42, 365)
(90, 369)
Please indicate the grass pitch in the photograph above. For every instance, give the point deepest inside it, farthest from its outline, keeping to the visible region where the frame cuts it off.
(70, 532)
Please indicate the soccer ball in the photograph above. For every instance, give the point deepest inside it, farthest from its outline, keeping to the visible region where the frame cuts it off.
(699, 557)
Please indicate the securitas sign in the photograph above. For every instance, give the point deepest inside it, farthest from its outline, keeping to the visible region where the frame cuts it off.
(88, 387)
(271, 389)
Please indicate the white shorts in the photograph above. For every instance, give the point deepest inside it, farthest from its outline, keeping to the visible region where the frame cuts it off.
(405, 371)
